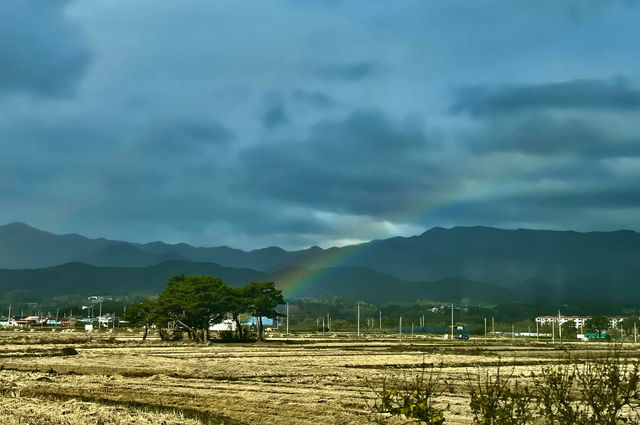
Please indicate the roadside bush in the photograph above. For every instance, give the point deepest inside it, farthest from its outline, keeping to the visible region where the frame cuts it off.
(499, 399)
(414, 399)
(594, 391)
(603, 391)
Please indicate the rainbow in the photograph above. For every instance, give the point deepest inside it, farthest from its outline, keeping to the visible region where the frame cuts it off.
(295, 280)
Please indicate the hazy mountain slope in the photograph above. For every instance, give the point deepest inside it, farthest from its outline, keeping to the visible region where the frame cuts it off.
(506, 257)
(127, 255)
(22, 246)
(361, 283)
(348, 282)
(259, 259)
(78, 278)
(357, 283)
(563, 265)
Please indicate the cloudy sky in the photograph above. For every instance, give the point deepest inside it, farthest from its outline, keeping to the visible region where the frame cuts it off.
(296, 123)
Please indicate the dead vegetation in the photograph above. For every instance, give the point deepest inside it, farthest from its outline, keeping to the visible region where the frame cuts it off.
(300, 381)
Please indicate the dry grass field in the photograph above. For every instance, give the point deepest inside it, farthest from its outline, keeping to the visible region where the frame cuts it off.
(297, 380)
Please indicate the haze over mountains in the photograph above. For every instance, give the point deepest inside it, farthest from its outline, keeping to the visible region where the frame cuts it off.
(478, 264)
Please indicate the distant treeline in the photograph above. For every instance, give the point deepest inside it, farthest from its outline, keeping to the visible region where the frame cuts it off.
(307, 314)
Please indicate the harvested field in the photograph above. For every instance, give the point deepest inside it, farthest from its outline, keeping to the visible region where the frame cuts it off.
(281, 381)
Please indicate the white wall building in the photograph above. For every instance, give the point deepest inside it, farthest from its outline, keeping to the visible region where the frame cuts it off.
(579, 321)
(225, 325)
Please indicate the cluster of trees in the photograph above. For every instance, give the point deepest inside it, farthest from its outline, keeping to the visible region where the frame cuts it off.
(196, 302)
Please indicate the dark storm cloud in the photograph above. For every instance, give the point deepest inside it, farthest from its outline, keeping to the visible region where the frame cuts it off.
(275, 116)
(365, 163)
(577, 94)
(185, 137)
(542, 209)
(211, 135)
(544, 134)
(345, 71)
(315, 99)
(41, 51)
(591, 118)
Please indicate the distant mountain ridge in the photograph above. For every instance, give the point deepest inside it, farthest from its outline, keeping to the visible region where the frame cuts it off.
(529, 264)
(348, 282)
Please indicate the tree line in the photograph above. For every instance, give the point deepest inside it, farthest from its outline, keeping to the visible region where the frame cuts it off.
(193, 303)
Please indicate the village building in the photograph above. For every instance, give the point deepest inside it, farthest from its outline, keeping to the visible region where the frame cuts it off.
(579, 321)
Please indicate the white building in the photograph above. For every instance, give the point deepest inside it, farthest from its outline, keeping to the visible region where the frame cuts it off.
(225, 325)
(579, 321)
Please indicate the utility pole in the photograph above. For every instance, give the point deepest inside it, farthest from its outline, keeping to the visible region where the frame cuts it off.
(9, 318)
(328, 322)
(358, 318)
(553, 331)
(411, 330)
(485, 330)
(400, 328)
(559, 327)
(380, 320)
(452, 322)
(493, 327)
(635, 332)
(100, 310)
(537, 333)
(513, 331)
(323, 325)
(114, 324)
(287, 318)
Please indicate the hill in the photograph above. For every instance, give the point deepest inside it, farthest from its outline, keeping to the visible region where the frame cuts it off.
(530, 264)
(347, 282)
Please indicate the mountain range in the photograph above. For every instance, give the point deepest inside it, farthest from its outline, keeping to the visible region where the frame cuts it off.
(479, 264)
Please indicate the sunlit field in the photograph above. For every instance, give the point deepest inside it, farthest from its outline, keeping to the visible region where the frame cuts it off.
(301, 379)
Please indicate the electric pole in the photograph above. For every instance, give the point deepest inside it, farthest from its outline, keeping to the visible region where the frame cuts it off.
(400, 328)
(287, 318)
(358, 319)
(380, 320)
(559, 327)
(485, 330)
(451, 321)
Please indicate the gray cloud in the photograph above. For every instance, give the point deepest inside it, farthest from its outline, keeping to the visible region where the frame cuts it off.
(211, 135)
(544, 134)
(595, 118)
(345, 71)
(315, 99)
(576, 94)
(189, 136)
(41, 51)
(365, 163)
(275, 117)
